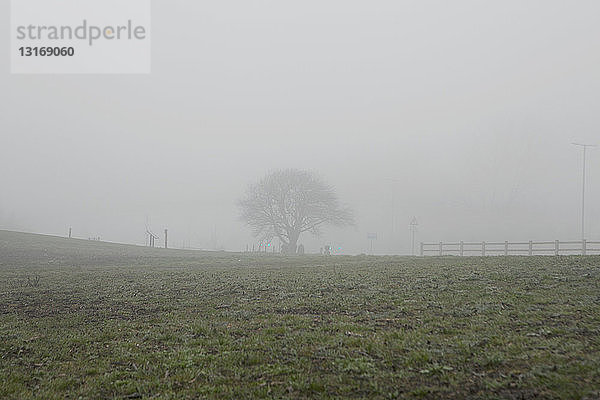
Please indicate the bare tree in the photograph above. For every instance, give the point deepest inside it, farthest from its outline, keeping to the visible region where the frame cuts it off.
(286, 203)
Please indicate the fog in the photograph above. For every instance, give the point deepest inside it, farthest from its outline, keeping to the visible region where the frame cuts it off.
(460, 114)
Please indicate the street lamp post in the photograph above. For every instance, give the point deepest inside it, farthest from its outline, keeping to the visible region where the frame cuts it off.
(584, 146)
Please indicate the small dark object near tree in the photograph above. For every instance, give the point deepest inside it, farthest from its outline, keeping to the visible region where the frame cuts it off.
(288, 202)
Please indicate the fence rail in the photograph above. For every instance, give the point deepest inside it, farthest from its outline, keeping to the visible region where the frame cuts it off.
(556, 247)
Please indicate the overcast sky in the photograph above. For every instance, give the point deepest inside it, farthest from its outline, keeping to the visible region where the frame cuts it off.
(459, 113)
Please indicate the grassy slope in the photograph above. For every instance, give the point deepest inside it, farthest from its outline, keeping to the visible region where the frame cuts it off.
(123, 321)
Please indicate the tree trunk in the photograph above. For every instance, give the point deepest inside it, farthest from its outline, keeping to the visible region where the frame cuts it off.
(293, 244)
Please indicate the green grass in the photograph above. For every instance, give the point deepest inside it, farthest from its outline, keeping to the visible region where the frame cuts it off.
(114, 321)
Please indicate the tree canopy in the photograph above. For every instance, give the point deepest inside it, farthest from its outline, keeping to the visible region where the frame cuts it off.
(286, 203)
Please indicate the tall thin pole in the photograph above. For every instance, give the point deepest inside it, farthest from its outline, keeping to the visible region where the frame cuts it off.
(583, 197)
(393, 213)
(413, 228)
(393, 182)
(585, 146)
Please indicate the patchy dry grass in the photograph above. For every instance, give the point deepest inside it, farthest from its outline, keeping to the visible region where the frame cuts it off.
(111, 321)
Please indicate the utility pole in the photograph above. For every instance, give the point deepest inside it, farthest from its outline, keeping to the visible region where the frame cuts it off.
(393, 182)
(585, 146)
(166, 238)
(371, 237)
(413, 228)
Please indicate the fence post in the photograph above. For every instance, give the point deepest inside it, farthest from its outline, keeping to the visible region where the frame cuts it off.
(583, 247)
(483, 249)
(506, 247)
(556, 248)
(422, 252)
(440, 248)
(530, 248)
(462, 244)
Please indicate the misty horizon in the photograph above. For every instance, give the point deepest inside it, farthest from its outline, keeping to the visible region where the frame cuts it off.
(461, 115)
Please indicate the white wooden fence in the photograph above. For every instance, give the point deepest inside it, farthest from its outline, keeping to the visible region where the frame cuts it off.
(582, 247)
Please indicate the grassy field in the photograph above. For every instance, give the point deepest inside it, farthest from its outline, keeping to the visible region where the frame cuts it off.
(82, 319)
